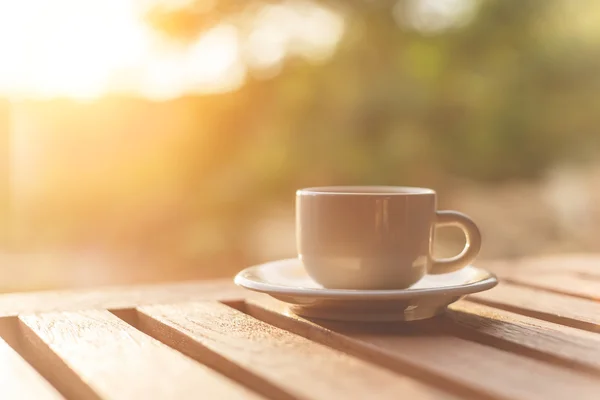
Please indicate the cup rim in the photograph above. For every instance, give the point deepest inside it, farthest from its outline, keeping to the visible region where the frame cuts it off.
(365, 191)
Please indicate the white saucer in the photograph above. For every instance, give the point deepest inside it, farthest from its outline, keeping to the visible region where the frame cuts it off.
(286, 280)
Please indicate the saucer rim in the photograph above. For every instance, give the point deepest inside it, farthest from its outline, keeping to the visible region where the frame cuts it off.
(276, 289)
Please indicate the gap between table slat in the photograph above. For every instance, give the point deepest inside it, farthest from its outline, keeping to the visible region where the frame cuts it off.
(552, 307)
(187, 346)
(18, 379)
(546, 341)
(564, 284)
(571, 276)
(52, 367)
(270, 360)
(424, 351)
(95, 355)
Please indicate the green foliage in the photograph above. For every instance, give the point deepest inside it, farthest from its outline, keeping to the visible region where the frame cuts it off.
(394, 105)
(501, 97)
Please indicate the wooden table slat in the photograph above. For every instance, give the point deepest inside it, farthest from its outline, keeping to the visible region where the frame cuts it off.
(485, 371)
(272, 360)
(556, 343)
(537, 303)
(562, 283)
(559, 276)
(117, 297)
(95, 355)
(534, 336)
(18, 380)
(574, 264)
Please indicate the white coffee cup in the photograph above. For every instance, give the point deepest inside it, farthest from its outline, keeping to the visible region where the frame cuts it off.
(375, 237)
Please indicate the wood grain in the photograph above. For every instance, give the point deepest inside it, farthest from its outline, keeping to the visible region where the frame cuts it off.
(544, 340)
(575, 264)
(417, 349)
(563, 283)
(536, 303)
(276, 362)
(118, 297)
(577, 276)
(18, 380)
(95, 355)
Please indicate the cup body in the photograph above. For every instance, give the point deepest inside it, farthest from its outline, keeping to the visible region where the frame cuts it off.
(365, 237)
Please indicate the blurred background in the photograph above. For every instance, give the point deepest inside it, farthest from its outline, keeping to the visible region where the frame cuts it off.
(148, 140)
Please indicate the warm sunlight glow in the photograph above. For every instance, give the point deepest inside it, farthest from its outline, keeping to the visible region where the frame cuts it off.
(66, 47)
(86, 48)
(211, 64)
(83, 48)
(298, 28)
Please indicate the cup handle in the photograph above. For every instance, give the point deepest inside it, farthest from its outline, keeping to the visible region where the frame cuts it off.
(472, 245)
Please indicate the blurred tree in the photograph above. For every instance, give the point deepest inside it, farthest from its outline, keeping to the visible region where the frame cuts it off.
(413, 94)
(473, 100)
(416, 92)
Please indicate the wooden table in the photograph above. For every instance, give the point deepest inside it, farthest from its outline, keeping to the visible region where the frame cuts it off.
(535, 336)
